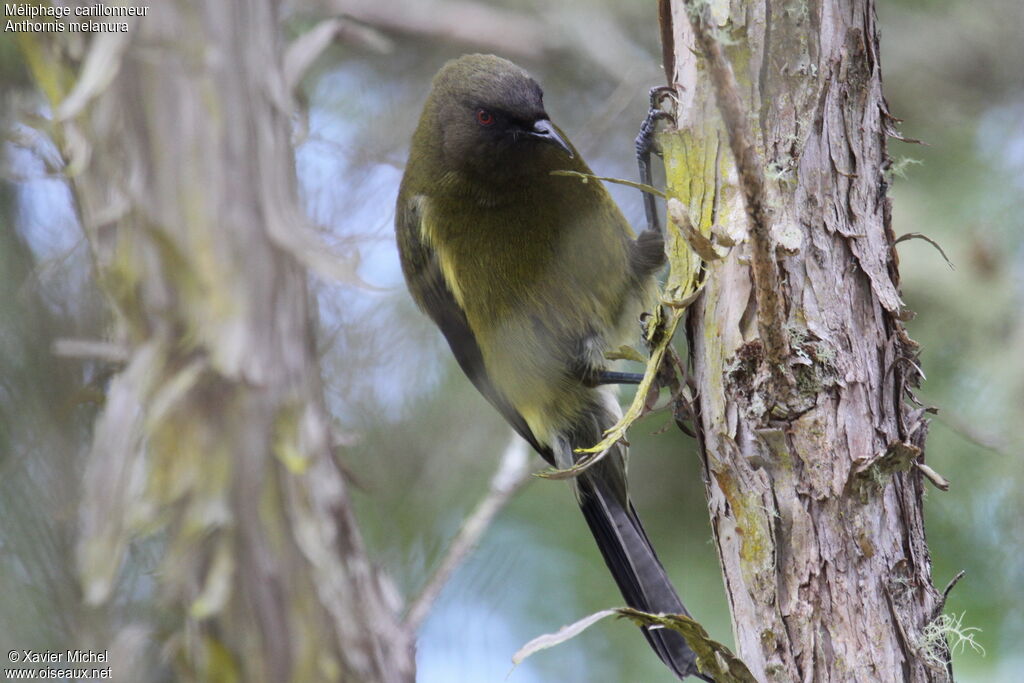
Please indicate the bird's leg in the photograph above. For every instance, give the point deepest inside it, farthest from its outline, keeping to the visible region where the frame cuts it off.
(608, 377)
(593, 375)
(645, 144)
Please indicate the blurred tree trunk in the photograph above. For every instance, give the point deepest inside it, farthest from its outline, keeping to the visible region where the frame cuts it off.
(214, 437)
(812, 463)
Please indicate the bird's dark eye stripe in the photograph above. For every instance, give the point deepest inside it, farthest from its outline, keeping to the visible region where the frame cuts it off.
(489, 116)
(521, 123)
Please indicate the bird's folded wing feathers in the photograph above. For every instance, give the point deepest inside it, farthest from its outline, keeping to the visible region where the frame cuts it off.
(433, 294)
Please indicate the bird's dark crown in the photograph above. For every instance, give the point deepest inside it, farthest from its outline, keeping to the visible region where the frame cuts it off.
(489, 82)
(485, 120)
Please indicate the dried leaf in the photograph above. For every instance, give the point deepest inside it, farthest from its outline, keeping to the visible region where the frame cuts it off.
(101, 65)
(563, 634)
(115, 474)
(625, 353)
(713, 659)
(635, 410)
(679, 216)
(217, 585)
(581, 466)
(939, 481)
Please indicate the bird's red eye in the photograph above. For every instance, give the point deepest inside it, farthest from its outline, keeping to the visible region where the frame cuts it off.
(484, 117)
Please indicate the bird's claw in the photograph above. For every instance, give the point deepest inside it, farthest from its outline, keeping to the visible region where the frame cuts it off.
(658, 93)
(645, 145)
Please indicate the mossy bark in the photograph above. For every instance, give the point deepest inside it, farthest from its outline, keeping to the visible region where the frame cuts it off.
(819, 528)
(214, 439)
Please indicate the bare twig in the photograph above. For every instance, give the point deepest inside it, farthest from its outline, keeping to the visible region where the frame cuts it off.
(91, 349)
(304, 50)
(941, 604)
(952, 583)
(750, 165)
(990, 442)
(929, 240)
(460, 21)
(512, 473)
(585, 177)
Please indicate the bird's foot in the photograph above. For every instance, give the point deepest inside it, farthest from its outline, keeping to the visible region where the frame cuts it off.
(607, 377)
(646, 144)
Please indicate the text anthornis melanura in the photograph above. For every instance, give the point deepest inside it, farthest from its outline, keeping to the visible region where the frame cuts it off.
(532, 277)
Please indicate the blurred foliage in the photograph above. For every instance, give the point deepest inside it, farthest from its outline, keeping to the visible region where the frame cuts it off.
(952, 72)
(424, 444)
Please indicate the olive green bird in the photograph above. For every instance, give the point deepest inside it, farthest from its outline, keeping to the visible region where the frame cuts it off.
(532, 277)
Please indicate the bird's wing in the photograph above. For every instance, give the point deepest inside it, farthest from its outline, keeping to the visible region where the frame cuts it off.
(432, 293)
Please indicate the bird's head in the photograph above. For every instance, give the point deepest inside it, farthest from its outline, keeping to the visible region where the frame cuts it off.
(486, 116)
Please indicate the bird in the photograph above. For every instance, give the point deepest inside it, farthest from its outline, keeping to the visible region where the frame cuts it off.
(532, 277)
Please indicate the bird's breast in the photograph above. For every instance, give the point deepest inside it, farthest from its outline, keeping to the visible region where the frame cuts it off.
(540, 283)
(535, 255)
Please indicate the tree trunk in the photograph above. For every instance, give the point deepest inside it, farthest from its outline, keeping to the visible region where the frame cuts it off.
(812, 461)
(214, 438)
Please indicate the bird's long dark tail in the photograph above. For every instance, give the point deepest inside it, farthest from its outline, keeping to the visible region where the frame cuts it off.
(626, 549)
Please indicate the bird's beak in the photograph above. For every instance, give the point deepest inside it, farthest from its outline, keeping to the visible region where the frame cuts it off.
(545, 131)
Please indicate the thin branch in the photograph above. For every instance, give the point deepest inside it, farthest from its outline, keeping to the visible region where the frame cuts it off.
(952, 583)
(512, 473)
(989, 442)
(941, 604)
(643, 187)
(750, 165)
(304, 50)
(91, 349)
(929, 240)
(463, 22)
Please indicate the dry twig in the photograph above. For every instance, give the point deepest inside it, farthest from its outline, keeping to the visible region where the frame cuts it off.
(513, 472)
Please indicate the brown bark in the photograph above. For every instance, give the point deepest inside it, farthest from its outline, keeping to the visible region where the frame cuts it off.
(814, 495)
(215, 436)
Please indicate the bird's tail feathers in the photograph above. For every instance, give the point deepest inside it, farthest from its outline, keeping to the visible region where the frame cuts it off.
(637, 571)
(602, 496)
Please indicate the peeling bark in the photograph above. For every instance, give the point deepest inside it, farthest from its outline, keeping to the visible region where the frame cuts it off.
(215, 436)
(815, 502)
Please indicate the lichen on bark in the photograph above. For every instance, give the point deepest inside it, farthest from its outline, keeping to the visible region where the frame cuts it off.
(815, 504)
